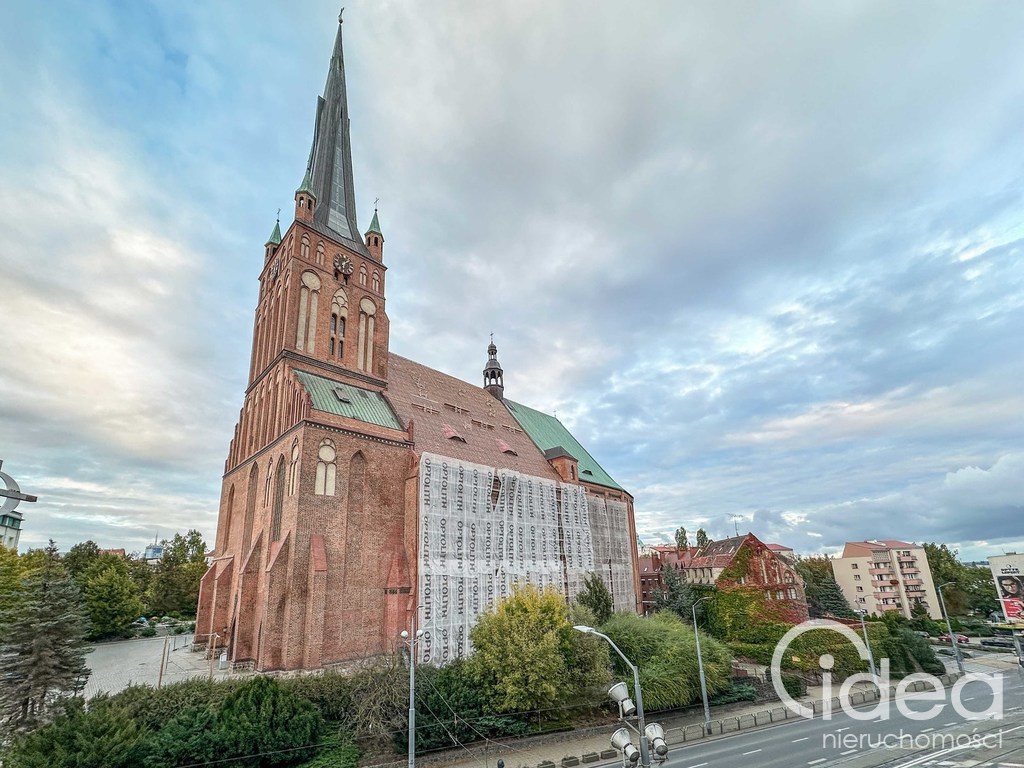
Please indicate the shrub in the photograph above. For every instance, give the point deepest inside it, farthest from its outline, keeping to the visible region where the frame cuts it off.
(736, 692)
(794, 685)
(147, 632)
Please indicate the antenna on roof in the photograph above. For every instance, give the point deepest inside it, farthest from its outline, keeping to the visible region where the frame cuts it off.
(735, 522)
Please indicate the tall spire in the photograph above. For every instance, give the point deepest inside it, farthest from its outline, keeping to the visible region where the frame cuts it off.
(330, 158)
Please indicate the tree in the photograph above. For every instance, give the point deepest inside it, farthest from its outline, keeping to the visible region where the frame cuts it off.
(42, 646)
(972, 588)
(175, 586)
(664, 649)
(526, 652)
(702, 538)
(682, 542)
(596, 597)
(824, 597)
(80, 557)
(111, 597)
(676, 595)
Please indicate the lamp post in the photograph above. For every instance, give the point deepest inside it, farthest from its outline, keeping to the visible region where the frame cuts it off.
(645, 755)
(700, 667)
(411, 642)
(867, 643)
(949, 628)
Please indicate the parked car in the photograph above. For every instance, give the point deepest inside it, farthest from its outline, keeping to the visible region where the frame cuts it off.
(960, 639)
(922, 633)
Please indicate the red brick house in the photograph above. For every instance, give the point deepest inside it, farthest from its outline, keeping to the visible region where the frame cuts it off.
(747, 562)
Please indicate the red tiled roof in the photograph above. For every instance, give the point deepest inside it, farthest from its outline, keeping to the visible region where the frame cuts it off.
(435, 400)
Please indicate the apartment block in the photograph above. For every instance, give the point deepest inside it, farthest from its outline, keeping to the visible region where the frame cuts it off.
(886, 575)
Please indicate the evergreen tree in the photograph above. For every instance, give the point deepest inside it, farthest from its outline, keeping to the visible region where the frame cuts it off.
(676, 595)
(682, 541)
(824, 597)
(596, 597)
(702, 538)
(42, 646)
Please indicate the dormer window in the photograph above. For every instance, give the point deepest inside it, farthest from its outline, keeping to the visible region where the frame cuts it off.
(451, 433)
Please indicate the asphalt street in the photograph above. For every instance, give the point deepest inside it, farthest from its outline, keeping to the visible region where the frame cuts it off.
(943, 737)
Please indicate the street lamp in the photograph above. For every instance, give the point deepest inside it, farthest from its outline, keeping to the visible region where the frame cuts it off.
(700, 667)
(411, 642)
(949, 628)
(620, 694)
(871, 656)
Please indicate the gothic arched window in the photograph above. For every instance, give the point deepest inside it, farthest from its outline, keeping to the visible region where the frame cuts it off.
(250, 508)
(326, 468)
(367, 310)
(376, 281)
(320, 253)
(339, 314)
(309, 296)
(304, 247)
(293, 469)
(275, 517)
(362, 275)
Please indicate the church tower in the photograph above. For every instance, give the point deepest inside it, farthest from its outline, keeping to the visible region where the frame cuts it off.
(363, 491)
(295, 530)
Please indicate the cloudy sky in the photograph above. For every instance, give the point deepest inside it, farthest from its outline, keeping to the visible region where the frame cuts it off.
(764, 259)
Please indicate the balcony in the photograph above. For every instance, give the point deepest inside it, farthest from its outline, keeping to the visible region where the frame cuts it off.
(913, 583)
(887, 571)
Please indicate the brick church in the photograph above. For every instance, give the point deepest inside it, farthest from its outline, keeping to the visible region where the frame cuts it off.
(364, 492)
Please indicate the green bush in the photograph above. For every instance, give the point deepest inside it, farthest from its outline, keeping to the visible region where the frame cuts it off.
(759, 653)
(147, 632)
(344, 755)
(794, 685)
(735, 693)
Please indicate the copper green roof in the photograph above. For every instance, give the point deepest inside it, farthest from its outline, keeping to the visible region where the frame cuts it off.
(306, 185)
(549, 434)
(275, 236)
(351, 402)
(375, 225)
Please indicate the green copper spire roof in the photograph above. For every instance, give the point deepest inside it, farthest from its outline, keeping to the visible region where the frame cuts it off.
(306, 185)
(375, 225)
(275, 236)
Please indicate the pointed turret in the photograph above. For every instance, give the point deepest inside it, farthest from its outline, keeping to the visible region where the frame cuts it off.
(493, 375)
(330, 164)
(305, 199)
(275, 239)
(375, 239)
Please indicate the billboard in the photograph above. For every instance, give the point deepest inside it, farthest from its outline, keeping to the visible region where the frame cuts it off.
(1008, 573)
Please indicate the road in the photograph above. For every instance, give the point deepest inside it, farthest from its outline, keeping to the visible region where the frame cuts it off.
(861, 743)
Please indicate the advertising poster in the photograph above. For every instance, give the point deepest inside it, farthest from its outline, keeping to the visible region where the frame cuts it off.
(1008, 573)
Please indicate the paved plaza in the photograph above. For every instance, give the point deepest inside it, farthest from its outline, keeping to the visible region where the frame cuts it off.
(117, 665)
